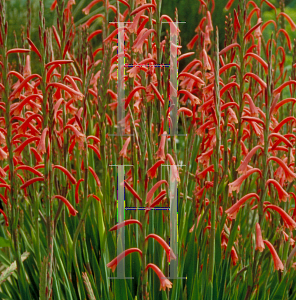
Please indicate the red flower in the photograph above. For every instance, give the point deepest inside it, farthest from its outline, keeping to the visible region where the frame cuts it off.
(160, 152)
(72, 210)
(174, 170)
(66, 172)
(233, 210)
(259, 241)
(123, 151)
(77, 190)
(289, 222)
(243, 167)
(164, 245)
(235, 185)
(124, 223)
(90, 5)
(79, 137)
(153, 189)
(41, 148)
(228, 5)
(152, 171)
(164, 282)
(113, 263)
(283, 195)
(290, 176)
(5, 217)
(278, 265)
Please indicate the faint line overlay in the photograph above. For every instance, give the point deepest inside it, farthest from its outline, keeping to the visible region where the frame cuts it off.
(173, 191)
(120, 218)
(121, 122)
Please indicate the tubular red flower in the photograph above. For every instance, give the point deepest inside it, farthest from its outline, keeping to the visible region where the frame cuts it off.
(278, 265)
(156, 200)
(79, 137)
(283, 195)
(227, 48)
(186, 111)
(269, 4)
(71, 209)
(152, 171)
(41, 148)
(131, 94)
(227, 87)
(164, 282)
(286, 36)
(289, 222)
(281, 139)
(17, 50)
(243, 166)
(288, 18)
(191, 76)
(34, 48)
(132, 191)
(95, 176)
(288, 172)
(278, 105)
(235, 185)
(153, 189)
(282, 86)
(95, 149)
(31, 181)
(165, 246)
(113, 263)
(159, 97)
(229, 4)
(259, 241)
(124, 223)
(253, 29)
(194, 99)
(90, 5)
(234, 256)
(259, 59)
(233, 210)
(21, 147)
(28, 168)
(66, 172)
(93, 34)
(3, 154)
(123, 151)
(174, 170)
(257, 78)
(160, 152)
(77, 190)
(142, 7)
(75, 94)
(5, 217)
(94, 196)
(284, 121)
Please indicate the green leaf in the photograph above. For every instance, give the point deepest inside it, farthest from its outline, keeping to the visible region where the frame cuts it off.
(4, 242)
(5, 274)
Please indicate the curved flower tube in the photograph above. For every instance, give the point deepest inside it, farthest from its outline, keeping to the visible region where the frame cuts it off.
(289, 222)
(278, 265)
(233, 210)
(164, 282)
(124, 223)
(235, 185)
(259, 241)
(71, 209)
(113, 263)
(165, 246)
(283, 195)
